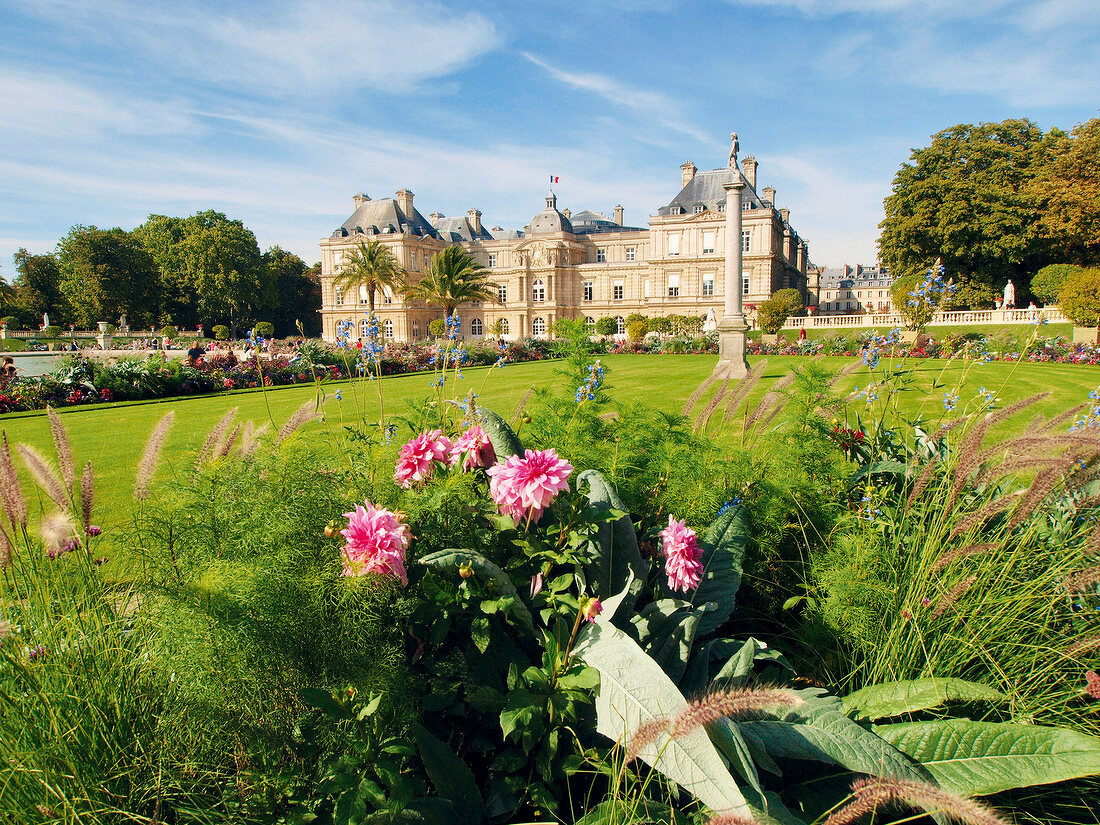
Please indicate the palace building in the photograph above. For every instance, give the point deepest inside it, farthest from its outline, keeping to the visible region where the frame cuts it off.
(576, 265)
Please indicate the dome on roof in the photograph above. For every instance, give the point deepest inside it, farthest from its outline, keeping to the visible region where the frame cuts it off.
(550, 220)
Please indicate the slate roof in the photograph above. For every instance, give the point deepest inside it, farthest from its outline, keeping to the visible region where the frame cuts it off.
(857, 277)
(705, 189)
(459, 229)
(383, 217)
(550, 219)
(587, 222)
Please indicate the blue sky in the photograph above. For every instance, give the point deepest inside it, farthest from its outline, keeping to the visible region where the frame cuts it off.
(278, 112)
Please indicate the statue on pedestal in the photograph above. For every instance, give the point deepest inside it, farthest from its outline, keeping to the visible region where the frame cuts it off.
(734, 147)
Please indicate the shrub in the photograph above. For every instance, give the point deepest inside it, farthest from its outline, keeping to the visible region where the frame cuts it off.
(169, 331)
(52, 331)
(636, 330)
(1079, 297)
(265, 328)
(10, 321)
(437, 328)
(221, 332)
(1047, 283)
(606, 326)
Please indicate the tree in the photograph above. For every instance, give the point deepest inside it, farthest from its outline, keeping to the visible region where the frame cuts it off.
(968, 198)
(1079, 298)
(1069, 191)
(774, 312)
(372, 266)
(37, 289)
(1048, 281)
(453, 278)
(607, 326)
(210, 267)
(106, 273)
(297, 290)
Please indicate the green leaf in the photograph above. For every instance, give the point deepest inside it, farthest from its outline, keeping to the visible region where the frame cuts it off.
(666, 629)
(723, 552)
(451, 777)
(449, 561)
(503, 438)
(878, 468)
(324, 701)
(634, 690)
(480, 633)
(908, 696)
(520, 708)
(978, 758)
(617, 561)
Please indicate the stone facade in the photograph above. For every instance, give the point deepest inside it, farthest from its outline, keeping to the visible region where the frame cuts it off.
(584, 265)
(852, 290)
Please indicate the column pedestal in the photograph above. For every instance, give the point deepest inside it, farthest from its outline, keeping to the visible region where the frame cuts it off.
(732, 363)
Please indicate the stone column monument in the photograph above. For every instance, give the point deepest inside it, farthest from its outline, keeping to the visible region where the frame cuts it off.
(732, 325)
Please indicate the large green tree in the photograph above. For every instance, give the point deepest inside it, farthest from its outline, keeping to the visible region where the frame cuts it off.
(1069, 191)
(211, 269)
(968, 199)
(298, 291)
(453, 278)
(37, 290)
(372, 266)
(106, 273)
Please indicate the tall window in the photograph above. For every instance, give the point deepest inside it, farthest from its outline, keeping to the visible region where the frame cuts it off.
(492, 259)
(387, 329)
(601, 255)
(674, 285)
(416, 330)
(744, 284)
(588, 290)
(363, 328)
(630, 253)
(364, 294)
(412, 259)
(617, 291)
(538, 327)
(708, 243)
(538, 292)
(589, 323)
(674, 243)
(387, 295)
(746, 238)
(503, 326)
(338, 296)
(502, 293)
(708, 284)
(620, 325)
(476, 327)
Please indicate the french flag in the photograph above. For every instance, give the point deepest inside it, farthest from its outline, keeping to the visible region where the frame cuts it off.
(553, 179)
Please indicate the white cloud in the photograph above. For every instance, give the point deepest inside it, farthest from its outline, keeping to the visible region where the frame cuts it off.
(831, 8)
(657, 107)
(292, 46)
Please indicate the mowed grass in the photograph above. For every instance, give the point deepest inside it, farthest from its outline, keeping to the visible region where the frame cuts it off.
(112, 437)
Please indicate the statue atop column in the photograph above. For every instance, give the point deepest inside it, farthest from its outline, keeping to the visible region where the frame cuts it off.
(734, 148)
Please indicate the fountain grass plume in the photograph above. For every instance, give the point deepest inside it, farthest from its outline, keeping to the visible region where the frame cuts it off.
(225, 448)
(56, 530)
(948, 599)
(44, 476)
(7, 553)
(215, 436)
(693, 399)
(744, 387)
(1081, 582)
(1085, 645)
(150, 455)
(251, 439)
(921, 482)
(704, 417)
(980, 516)
(87, 495)
(1069, 415)
(1045, 482)
(869, 795)
(730, 819)
(961, 553)
(301, 415)
(64, 449)
(15, 506)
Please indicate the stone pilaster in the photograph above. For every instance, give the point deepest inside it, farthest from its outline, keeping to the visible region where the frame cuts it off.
(732, 325)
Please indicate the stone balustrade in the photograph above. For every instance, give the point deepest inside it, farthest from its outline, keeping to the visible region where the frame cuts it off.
(954, 318)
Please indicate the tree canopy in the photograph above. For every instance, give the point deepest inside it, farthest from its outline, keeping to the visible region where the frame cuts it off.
(37, 290)
(1079, 297)
(1069, 190)
(298, 288)
(453, 278)
(106, 273)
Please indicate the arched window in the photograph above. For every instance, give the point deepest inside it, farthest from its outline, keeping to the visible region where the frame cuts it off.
(620, 325)
(338, 296)
(364, 294)
(476, 327)
(503, 326)
(387, 329)
(538, 327)
(416, 331)
(538, 291)
(589, 323)
(363, 326)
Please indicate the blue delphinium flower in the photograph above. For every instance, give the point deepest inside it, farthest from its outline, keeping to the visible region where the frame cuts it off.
(950, 401)
(587, 390)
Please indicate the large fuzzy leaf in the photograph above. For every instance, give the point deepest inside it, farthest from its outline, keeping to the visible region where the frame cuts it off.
(503, 438)
(618, 559)
(485, 570)
(723, 552)
(909, 696)
(977, 758)
(634, 690)
(451, 776)
(666, 629)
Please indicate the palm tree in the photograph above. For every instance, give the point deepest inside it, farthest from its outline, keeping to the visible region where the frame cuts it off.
(371, 265)
(453, 278)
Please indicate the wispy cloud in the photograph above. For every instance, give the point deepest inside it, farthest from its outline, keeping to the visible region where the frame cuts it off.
(659, 108)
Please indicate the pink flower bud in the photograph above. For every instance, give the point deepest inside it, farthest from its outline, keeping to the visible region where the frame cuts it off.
(591, 609)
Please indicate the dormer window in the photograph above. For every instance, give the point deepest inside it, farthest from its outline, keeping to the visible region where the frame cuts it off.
(674, 210)
(698, 208)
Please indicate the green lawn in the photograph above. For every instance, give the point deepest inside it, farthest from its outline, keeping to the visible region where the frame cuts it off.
(113, 436)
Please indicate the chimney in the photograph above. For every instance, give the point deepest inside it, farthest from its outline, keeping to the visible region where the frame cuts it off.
(785, 214)
(769, 195)
(405, 203)
(748, 167)
(359, 199)
(475, 220)
(435, 216)
(567, 212)
(687, 172)
(619, 214)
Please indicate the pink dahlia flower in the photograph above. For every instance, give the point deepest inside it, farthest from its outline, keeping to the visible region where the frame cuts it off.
(415, 463)
(376, 543)
(683, 558)
(524, 487)
(477, 447)
(591, 609)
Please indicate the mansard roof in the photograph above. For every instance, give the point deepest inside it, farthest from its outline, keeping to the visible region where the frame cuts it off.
(459, 229)
(705, 189)
(383, 217)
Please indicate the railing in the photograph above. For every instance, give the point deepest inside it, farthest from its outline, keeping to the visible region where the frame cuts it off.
(91, 333)
(953, 318)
